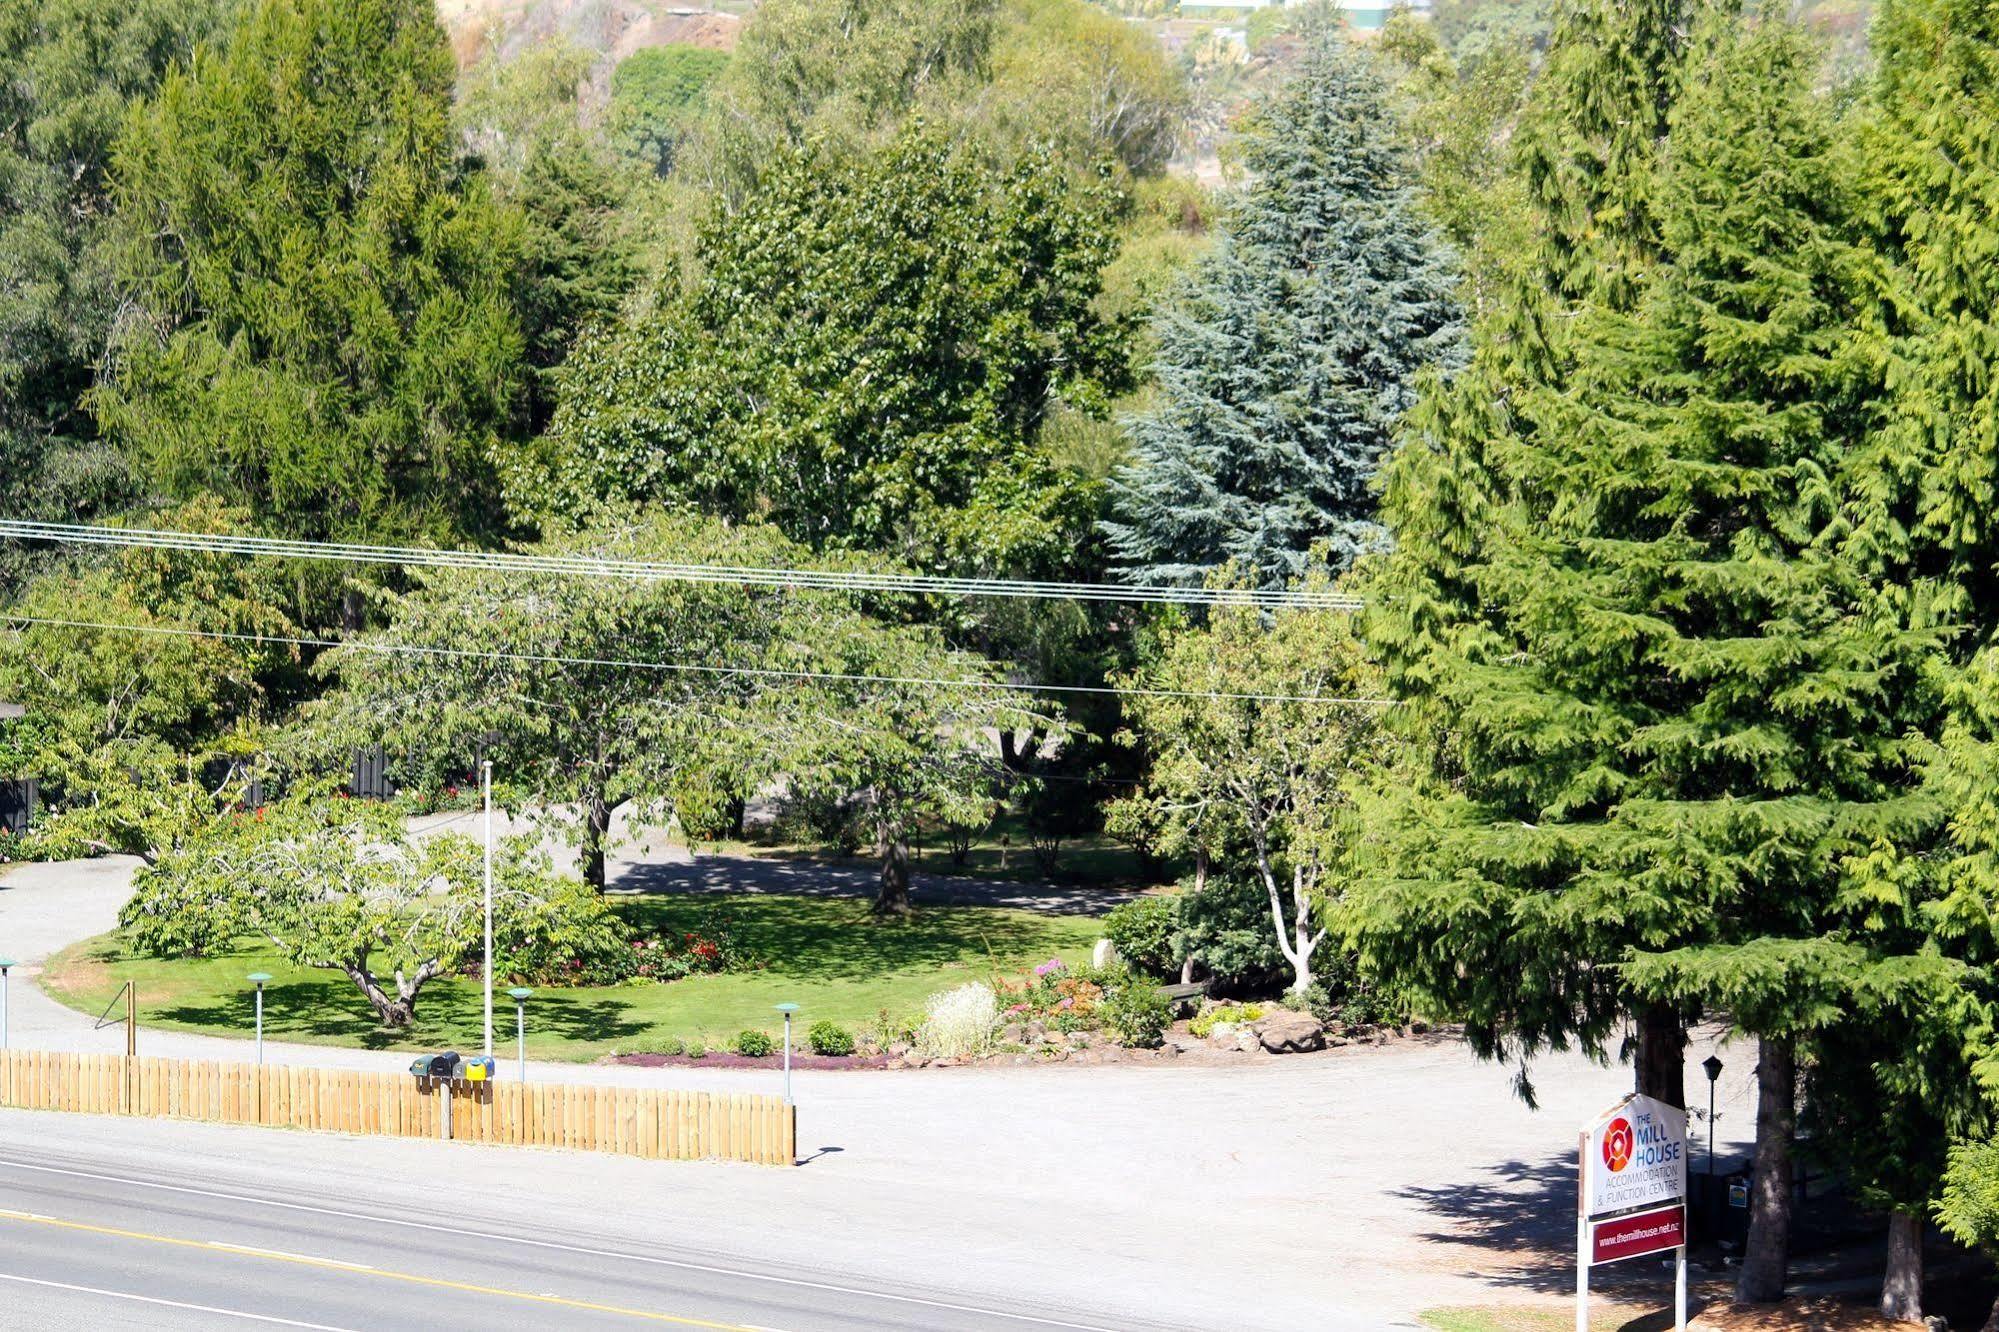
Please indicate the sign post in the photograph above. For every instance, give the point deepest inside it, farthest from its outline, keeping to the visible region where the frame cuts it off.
(1632, 1194)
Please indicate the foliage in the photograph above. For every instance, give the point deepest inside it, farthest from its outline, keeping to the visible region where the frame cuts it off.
(1969, 1207)
(864, 360)
(581, 715)
(338, 884)
(754, 1044)
(1225, 928)
(828, 1037)
(657, 95)
(1013, 74)
(959, 1023)
(1258, 731)
(1288, 357)
(326, 325)
(1142, 933)
(1204, 1023)
(1065, 998)
(74, 68)
(522, 119)
(1135, 1012)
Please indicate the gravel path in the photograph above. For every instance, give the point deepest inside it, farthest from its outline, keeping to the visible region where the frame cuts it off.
(1342, 1191)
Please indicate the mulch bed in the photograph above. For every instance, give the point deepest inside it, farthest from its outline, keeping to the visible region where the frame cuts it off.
(729, 1059)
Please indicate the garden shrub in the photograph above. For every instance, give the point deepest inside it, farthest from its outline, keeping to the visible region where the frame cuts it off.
(1135, 1013)
(1204, 1023)
(697, 1049)
(828, 1037)
(754, 1044)
(959, 1024)
(1142, 933)
(1226, 929)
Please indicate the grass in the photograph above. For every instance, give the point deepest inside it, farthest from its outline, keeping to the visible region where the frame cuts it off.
(1003, 850)
(829, 955)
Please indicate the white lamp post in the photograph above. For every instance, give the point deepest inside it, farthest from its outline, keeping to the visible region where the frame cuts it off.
(787, 1010)
(486, 782)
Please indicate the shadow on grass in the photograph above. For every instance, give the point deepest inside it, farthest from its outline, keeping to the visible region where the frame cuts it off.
(800, 875)
(815, 939)
(331, 1010)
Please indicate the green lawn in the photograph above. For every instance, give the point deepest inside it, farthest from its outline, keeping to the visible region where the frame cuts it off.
(1002, 851)
(829, 955)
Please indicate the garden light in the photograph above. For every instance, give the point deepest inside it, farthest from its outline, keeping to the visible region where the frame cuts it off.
(787, 1010)
(519, 994)
(258, 978)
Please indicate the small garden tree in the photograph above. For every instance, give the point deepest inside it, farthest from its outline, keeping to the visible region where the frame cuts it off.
(1260, 728)
(339, 885)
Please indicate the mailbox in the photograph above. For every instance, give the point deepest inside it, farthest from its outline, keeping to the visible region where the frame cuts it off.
(444, 1066)
(479, 1068)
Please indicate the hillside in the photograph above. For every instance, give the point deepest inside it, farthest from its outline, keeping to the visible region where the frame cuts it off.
(614, 28)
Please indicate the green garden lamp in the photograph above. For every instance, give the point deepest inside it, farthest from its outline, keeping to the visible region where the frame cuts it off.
(519, 994)
(6, 965)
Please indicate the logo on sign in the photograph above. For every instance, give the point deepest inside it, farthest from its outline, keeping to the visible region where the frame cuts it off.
(1617, 1144)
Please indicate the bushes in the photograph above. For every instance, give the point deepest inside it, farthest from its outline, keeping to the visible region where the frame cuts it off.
(754, 1044)
(1142, 933)
(828, 1037)
(1226, 928)
(1134, 1012)
(959, 1024)
(1204, 1023)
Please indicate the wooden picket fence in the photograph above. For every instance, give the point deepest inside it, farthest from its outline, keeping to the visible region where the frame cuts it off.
(632, 1121)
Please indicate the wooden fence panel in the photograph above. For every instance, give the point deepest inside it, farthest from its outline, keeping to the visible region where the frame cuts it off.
(643, 1122)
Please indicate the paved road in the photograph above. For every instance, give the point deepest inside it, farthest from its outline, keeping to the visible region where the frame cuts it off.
(96, 1239)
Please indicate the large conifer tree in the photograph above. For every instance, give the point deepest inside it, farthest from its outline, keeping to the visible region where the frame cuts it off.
(1292, 352)
(1679, 730)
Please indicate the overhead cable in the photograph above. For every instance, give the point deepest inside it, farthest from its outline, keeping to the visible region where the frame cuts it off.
(590, 566)
(682, 667)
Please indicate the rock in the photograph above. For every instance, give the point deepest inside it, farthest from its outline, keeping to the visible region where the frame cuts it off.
(1013, 1033)
(914, 1060)
(1105, 954)
(1246, 1041)
(1033, 1033)
(898, 1050)
(1288, 1032)
(1418, 1028)
(1222, 1031)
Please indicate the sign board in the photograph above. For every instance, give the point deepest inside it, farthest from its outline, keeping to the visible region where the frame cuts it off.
(1636, 1235)
(1631, 1194)
(1634, 1158)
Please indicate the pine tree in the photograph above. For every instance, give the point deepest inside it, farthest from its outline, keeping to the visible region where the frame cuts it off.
(326, 324)
(1678, 724)
(1586, 149)
(1287, 360)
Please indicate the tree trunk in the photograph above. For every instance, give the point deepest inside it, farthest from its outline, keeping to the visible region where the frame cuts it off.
(596, 829)
(398, 1010)
(893, 846)
(353, 611)
(1200, 868)
(1992, 1319)
(1766, 1258)
(1660, 1066)
(1902, 1287)
(739, 813)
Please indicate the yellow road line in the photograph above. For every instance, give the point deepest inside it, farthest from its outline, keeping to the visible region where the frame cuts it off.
(353, 1269)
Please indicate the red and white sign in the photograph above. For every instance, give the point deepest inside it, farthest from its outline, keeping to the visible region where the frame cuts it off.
(1634, 1157)
(1637, 1235)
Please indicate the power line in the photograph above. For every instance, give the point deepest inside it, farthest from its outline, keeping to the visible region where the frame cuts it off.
(680, 667)
(648, 571)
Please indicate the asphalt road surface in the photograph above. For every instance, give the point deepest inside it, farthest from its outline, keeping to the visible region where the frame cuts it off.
(86, 1242)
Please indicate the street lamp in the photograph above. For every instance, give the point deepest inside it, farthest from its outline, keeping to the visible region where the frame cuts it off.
(1712, 1067)
(787, 1010)
(519, 994)
(258, 978)
(6, 965)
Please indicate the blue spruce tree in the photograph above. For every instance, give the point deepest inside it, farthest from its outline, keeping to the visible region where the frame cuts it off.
(1292, 349)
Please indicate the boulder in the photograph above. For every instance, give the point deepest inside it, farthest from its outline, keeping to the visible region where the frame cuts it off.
(898, 1049)
(1246, 1040)
(1288, 1032)
(1222, 1033)
(1033, 1033)
(1105, 954)
(1013, 1033)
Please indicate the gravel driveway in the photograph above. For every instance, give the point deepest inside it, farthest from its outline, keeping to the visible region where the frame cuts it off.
(1346, 1190)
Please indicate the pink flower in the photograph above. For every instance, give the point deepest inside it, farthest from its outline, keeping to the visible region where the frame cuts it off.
(1051, 965)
